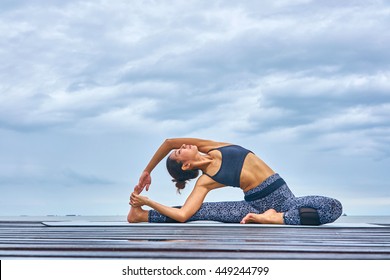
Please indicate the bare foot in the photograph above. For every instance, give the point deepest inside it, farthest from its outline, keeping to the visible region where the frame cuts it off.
(137, 215)
(268, 217)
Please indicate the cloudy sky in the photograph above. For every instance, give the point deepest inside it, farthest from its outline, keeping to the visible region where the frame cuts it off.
(90, 89)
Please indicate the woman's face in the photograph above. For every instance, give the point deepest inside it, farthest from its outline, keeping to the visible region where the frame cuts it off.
(184, 153)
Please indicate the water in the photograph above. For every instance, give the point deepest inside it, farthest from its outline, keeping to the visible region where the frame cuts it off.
(364, 219)
(118, 218)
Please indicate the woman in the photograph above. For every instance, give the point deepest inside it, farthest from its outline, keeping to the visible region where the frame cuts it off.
(267, 198)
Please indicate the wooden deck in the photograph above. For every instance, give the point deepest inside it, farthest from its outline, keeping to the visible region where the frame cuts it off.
(34, 239)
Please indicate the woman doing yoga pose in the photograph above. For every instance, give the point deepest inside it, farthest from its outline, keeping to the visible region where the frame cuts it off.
(267, 198)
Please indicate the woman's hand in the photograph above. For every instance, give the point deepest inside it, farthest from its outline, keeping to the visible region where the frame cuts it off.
(144, 182)
(137, 200)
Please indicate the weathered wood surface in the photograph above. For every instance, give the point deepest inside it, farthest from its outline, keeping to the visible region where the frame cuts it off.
(32, 239)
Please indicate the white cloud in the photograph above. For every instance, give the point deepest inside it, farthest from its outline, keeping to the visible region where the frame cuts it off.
(287, 72)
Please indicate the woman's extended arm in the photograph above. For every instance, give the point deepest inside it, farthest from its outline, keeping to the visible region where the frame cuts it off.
(167, 146)
(192, 204)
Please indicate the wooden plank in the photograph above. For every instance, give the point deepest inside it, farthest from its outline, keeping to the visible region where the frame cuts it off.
(199, 224)
(191, 255)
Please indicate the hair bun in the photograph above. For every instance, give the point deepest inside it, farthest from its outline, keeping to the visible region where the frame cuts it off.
(180, 184)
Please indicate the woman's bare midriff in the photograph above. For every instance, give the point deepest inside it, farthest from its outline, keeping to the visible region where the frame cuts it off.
(254, 172)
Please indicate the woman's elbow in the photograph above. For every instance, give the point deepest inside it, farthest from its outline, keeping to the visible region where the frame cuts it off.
(182, 218)
(168, 143)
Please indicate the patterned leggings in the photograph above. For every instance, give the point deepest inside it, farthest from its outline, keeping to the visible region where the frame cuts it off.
(282, 200)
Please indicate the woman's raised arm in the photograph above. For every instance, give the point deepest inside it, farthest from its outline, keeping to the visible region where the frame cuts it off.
(168, 145)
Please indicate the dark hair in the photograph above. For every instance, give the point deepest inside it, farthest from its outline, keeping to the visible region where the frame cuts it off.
(180, 176)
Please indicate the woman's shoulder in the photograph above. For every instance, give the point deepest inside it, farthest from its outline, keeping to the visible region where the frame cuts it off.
(222, 145)
(207, 146)
(205, 181)
(231, 147)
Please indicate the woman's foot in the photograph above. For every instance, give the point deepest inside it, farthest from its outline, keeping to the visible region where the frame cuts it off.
(268, 217)
(137, 215)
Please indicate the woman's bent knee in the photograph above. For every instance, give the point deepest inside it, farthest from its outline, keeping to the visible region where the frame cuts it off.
(333, 211)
